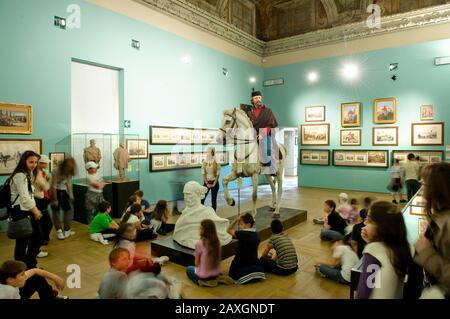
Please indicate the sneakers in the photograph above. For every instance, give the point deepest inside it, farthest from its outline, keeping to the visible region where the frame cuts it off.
(403, 201)
(42, 254)
(161, 260)
(99, 237)
(60, 234)
(69, 233)
(318, 221)
(395, 202)
(162, 232)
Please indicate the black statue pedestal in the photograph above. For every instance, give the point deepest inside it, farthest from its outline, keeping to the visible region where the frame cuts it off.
(117, 193)
(185, 256)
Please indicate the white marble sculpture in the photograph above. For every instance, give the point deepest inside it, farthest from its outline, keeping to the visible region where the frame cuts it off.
(186, 231)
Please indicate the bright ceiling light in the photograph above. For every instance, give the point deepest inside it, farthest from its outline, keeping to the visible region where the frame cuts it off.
(313, 77)
(252, 79)
(186, 59)
(350, 71)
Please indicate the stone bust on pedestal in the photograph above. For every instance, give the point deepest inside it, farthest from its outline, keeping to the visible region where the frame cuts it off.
(186, 231)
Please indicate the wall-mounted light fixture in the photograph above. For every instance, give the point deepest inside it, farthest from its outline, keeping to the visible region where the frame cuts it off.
(225, 71)
(393, 66)
(60, 22)
(135, 44)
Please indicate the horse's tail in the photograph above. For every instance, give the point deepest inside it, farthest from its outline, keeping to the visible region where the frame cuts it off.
(283, 150)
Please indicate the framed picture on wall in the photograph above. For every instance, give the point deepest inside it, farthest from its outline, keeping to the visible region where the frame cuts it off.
(350, 114)
(137, 148)
(385, 111)
(361, 158)
(186, 160)
(425, 156)
(15, 119)
(427, 134)
(378, 158)
(315, 113)
(351, 137)
(55, 159)
(315, 134)
(12, 149)
(315, 157)
(426, 112)
(385, 136)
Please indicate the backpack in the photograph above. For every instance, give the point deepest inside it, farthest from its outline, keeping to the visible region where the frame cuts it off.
(5, 199)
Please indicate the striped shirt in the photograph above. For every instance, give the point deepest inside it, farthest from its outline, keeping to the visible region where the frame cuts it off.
(287, 256)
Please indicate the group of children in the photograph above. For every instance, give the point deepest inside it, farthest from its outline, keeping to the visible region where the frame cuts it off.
(246, 267)
(148, 223)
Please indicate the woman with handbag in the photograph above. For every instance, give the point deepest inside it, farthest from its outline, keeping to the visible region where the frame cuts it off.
(24, 226)
(211, 172)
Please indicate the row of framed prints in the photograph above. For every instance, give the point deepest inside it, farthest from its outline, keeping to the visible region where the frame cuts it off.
(422, 134)
(173, 161)
(166, 135)
(365, 158)
(384, 112)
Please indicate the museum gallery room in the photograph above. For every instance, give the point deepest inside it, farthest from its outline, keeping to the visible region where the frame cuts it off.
(225, 149)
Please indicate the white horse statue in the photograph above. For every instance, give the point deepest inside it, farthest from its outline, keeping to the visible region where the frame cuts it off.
(237, 126)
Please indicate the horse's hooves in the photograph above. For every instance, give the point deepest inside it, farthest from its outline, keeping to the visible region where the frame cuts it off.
(276, 215)
(271, 209)
(233, 203)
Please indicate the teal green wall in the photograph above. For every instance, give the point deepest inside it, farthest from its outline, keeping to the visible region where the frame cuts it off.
(158, 90)
(35, 61)
(420, 82)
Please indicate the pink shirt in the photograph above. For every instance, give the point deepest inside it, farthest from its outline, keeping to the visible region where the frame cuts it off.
(344, 210)
(203, 270)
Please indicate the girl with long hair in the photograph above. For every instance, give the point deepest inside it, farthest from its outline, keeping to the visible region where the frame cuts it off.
(387, 256)
(24, 206)
(134, 215)
(62, 197)
(160, 216)
(207, 256)
(432, 248)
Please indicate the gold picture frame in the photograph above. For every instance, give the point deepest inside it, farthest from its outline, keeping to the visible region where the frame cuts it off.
(315, 134)
(351, 114)
(427, 112)
(16, 118)
(385, 111)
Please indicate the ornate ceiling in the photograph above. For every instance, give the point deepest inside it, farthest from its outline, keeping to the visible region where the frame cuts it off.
(275, 19)
(271, 27)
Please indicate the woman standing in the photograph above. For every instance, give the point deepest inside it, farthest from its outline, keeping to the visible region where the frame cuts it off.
(62, 196)
(211, 172)
(433, 248)
(41, 196)
(24, 205)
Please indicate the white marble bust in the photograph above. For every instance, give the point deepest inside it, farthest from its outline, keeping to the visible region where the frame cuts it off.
(186, 231)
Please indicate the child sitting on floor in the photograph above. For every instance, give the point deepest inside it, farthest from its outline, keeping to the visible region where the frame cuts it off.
(140, 259)
(334, 227)
(284, 261)
(16, 282)
(103, 226)
(160, 216)
(114, 282)
(134, 216)
(340, 266)
(207, 271)
(245, 266)
(145, 205)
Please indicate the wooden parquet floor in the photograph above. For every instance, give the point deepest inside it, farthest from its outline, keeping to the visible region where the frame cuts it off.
(92, 257)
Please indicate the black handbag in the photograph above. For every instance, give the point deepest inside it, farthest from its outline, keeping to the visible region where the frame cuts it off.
(19, 229)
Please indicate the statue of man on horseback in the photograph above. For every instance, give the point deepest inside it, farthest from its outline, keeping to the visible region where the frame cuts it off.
(263, 121)
(250, 131)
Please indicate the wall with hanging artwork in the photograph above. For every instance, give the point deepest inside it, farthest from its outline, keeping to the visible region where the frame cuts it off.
(371, 112)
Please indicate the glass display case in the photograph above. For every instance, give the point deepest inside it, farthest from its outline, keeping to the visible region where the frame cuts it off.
(415, 217)
(84, 147)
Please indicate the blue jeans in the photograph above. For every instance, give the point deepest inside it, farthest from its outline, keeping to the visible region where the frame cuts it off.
(190, 272)
(328, 234)
(332, 273)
